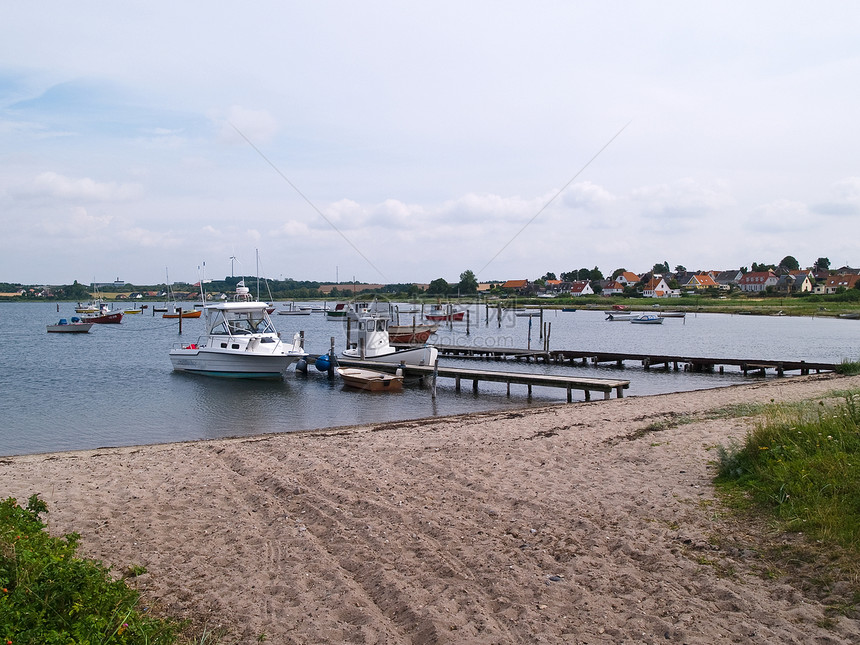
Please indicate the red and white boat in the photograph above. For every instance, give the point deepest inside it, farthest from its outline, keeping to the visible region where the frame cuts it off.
(104, 316)
(443, 314)
(414, 333)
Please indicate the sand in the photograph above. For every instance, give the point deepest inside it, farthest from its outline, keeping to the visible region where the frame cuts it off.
(580, 523)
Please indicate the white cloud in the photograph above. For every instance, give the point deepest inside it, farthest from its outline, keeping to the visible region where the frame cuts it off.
(240, 123)
(55, 186)
(844, 199)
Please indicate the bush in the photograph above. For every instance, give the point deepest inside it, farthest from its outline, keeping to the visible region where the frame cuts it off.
(51, 597)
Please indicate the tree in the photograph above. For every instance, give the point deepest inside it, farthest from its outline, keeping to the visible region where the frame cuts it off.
(822, 264)
(568, 276)
(468, 282)
(596, 275)
(660, 268)
(439, 287)
(680, 269)
(618, 272)
(789, 263)
(549, 275)
(583, 274)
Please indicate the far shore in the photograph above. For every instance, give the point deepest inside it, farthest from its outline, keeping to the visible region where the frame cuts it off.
(587, 523)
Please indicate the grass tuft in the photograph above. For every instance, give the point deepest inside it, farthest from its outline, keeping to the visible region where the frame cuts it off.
(802, 462)
(47, 595)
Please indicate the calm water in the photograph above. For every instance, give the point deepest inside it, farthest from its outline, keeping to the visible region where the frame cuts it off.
(115, 386)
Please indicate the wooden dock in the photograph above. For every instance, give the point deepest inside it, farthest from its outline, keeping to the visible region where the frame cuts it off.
(586, 385)
(647, 361)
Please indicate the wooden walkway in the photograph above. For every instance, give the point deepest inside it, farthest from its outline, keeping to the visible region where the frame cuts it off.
(586, 385)
(647, 361)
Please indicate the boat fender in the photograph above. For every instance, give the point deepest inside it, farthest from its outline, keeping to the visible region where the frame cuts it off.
(302, 366)
(191, 346)
(323, 363)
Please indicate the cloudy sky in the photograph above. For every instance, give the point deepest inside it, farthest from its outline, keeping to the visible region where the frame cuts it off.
(402, 142)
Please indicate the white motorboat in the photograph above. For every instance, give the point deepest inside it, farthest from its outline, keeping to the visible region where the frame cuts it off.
(372, 344)
(240, 342)
(647, 319)
(74, 327)
(620, 316)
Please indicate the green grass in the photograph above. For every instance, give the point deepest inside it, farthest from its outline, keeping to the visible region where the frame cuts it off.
(802, 463)
(49, 596)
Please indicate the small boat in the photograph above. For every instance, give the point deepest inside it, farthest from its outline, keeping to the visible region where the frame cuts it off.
(88, 308)
(414, 333)
(620, 316)
(240, 342)
(440, 313)
(103, 317)
(672, 314)
(371, 380)
(294, 312)
(131, 311)
(74, 327)
(527, 313)
(647, 319)
(569, 309)
(340, 310)
(186, 313)
(373, 344)
(851, 315)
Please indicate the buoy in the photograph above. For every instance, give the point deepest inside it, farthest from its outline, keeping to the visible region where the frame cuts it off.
(302, 366)
(323, 363)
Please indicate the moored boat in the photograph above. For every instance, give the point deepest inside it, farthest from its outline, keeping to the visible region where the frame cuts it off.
(414, 333)
(185, 313)
(76, 326)
(371, 380)
(443, 314)
(647, 319)
(373, 344)
(103, 317)
(240, 342)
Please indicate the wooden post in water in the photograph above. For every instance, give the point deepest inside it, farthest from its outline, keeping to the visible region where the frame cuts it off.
(180, 319)
(541, 321)
(499, 314)
(467, 322)
(486, 313)
(331, 359)
(435, 375)
(302, 339)
(348, 329)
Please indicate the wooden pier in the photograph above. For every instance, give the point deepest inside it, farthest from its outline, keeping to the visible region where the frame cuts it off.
(586, 385)
(647, 361)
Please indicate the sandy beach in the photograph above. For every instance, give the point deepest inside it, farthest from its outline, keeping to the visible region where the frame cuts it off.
(581, 523)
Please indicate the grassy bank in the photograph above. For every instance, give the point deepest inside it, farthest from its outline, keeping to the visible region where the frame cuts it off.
(49, 596)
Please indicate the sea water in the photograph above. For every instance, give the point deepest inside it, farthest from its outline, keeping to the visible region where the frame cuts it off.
(115, 386)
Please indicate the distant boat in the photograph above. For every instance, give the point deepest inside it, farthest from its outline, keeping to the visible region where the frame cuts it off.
(440, 313)
(340, 310)
(371, 380)
(186, 313)
(415, 333)
(647, 319)
(527, 313)
(373, 344)
(672, 314)
(851, 315)
(74, 327)
(568, 308)
(103, 317)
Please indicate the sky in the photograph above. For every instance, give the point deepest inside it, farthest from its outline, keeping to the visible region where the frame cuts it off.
(394, 142)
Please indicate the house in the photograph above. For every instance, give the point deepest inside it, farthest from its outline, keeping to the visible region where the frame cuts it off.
(700, 281)
(581, 288)
(800, 281)
(844, 281)
(613, 288)
(552, 287)
(728, 279)
(757, 281)
(657, 288)
(628, 278)
(517, 286)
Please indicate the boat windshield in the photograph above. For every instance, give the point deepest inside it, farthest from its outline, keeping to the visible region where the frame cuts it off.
(243, 323)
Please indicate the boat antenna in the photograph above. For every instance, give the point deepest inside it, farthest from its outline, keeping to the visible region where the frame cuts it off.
(553, 198)
(302, 195)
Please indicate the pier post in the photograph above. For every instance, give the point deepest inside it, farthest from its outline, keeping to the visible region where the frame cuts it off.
(467, 321)
(435, 376)
(180, 319)
(302, 339)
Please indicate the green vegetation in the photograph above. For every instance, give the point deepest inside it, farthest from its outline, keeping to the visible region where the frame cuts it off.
(802, 463)
(48, 596)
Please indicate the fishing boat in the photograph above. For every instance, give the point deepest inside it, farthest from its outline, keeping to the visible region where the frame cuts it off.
(240, 342)
(373, 344)
(443, 314)
(76, 326)
(647, 319)
(104, 316)
(414, 333)
(371, 380)
(340, 310)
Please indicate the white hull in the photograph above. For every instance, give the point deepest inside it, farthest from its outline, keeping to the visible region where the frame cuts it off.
(232, 363)
(418, 356)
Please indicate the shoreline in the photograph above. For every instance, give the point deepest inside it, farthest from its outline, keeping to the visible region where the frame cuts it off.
(586, 523)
